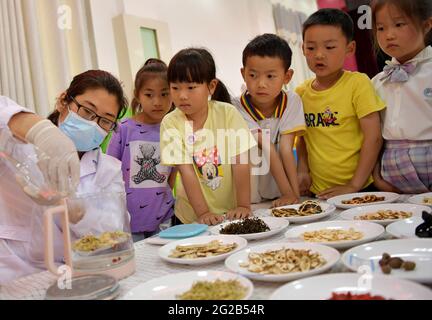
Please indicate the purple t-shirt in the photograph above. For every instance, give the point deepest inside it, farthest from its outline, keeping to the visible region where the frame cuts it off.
(149, 197)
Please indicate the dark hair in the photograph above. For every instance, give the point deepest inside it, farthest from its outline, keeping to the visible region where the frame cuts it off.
(269, 45)
(152, 68)
(331, 17)
(196, 65)
(417, 10)
(94, 79)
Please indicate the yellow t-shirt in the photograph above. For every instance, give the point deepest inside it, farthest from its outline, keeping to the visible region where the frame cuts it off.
(211, 150)
(333, 135)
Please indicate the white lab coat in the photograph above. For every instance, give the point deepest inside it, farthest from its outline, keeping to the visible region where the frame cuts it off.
(21, 219)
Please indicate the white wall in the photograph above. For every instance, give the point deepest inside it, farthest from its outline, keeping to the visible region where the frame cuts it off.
(222, 26)
(102, 12)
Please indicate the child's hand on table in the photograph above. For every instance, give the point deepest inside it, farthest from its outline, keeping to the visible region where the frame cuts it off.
(337, 191)
(239, 213)
(210, 218)
(285, 200)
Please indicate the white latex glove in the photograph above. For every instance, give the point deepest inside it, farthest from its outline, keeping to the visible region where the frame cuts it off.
(58, 156)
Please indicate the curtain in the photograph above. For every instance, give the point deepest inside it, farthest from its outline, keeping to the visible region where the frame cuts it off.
(15, 79)
(289, 16)
(43, 45)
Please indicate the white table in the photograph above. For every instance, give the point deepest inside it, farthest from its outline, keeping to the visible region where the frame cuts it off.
(150, 266)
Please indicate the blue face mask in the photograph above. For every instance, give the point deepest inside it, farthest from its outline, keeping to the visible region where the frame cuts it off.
(87, 135)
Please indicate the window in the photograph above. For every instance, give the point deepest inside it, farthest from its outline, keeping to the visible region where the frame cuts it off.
(150, 44)
(138, 39)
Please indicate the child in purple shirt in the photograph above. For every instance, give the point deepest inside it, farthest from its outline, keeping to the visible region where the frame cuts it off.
(136, 144)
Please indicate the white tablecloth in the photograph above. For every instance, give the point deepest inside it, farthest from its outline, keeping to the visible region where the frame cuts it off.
(150, 266)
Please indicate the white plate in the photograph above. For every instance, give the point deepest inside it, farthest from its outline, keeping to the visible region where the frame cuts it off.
(169, 286)
(156, 240)
(276, 225)
(321, 287)
(233, 262)
(416, 250)
(337, 201)
(404, 229)
(371, 231)
(418, 199)
(407, 207)
(327, 210)
(166, 250)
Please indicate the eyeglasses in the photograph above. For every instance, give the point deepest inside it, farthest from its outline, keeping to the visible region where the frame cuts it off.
(90, 115)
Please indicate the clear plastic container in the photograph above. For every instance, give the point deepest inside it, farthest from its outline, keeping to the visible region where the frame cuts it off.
(102, 238)
(23, 160)
(98, 235)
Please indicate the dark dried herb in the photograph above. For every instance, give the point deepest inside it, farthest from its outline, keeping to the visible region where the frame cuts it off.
(424, 230)
(249, 225)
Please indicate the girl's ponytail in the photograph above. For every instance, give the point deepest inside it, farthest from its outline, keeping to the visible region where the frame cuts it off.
(221, 93)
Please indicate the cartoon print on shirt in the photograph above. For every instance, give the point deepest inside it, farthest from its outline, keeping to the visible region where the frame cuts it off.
(327, 118)
(148, 165)
(208, 164)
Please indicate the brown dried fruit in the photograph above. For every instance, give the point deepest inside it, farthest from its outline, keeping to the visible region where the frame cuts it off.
(386, 256)
(384, 259)
(408, 265)
(395, 263)
(383, 262)
(386, 269)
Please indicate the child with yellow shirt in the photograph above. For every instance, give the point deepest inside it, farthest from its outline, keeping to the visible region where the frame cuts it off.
(343, 135)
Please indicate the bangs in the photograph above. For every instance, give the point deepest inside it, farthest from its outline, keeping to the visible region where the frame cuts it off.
(398, 5)
(406, 8)
(190, 67)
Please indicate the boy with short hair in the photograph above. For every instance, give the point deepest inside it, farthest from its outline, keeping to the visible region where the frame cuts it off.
(343, 136)
(267, 108)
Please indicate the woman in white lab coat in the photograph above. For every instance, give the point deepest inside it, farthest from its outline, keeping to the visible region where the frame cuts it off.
(85, 113)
